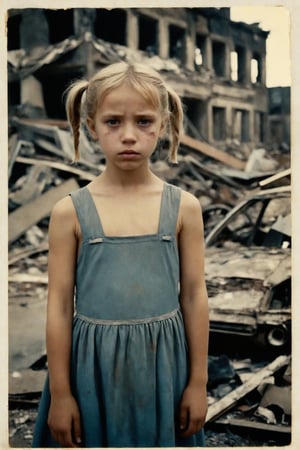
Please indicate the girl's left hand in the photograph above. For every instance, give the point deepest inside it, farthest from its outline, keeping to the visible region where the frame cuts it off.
(193, 409)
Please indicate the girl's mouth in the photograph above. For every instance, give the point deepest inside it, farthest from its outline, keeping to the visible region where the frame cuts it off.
(128, 152)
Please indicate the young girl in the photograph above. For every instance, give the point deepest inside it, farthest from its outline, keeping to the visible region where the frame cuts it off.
(127, 362)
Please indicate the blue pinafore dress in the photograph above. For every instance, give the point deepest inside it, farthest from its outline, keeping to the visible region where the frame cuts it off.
(129, 356)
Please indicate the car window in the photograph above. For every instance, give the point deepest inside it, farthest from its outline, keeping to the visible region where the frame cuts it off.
(239, 226)
(276, 208)
(275, 226)
(259, 222)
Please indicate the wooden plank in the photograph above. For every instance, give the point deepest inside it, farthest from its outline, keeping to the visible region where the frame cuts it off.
(13, 150)
(28, 278)
(212, 152)
(28, 215)
(28, 381)
(250, 424)
(275, 177)
(57, 165)
(211, 174)
(46, 145)
(231, 399)
(41, 122)
(36, 180)
(12, 259)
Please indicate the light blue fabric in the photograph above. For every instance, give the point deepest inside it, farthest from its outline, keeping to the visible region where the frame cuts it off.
(129, 356)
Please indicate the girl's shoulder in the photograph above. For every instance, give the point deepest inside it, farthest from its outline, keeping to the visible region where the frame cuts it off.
(190, 210)
(63, 220)
(189, 203)
(64, 209)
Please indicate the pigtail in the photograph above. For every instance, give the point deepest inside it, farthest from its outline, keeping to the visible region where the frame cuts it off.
(73, 110)
(175, 123)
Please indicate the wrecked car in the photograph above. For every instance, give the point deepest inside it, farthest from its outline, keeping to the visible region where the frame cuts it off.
(248, 270)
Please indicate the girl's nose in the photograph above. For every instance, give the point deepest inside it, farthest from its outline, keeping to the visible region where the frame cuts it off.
(128, 133)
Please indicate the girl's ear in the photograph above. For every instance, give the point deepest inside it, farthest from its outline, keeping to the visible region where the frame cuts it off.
(91, 126)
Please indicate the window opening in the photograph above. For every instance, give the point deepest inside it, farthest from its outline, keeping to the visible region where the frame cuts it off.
(195, 118)
(177, 42)
(200, 56)
(259, 126)
(54, 85)
(255, 69)
(234, 66)
(60, 23)
(14, 93)
(219, 124)
(238, 64)
(148, 31)
(111, 25)
(241, 125)
(219, 53)
(13, 31)
(241, 64)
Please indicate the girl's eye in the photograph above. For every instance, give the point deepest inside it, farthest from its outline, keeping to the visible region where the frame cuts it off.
(144, 122)
(112, 122)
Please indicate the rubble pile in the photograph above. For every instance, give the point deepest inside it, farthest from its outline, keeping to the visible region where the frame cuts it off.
(248, 394)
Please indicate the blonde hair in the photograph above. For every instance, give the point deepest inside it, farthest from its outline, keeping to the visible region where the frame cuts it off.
(84, 97)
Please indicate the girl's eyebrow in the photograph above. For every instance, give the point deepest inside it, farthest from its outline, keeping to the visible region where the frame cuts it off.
(146, 113)
(137, 114)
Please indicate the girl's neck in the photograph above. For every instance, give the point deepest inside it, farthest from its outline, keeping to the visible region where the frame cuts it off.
(128, 180)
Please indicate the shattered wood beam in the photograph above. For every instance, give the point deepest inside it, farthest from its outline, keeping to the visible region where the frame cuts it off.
(28, 215)
(46, 145)
(57, 165)
(13, 150)
(275, 177)
(12, 259)
(211, 173)
(251, 425)
(14, 147)
(28, 278)
(37, 122)
(29, 382)
(230, 400)
(212, 152)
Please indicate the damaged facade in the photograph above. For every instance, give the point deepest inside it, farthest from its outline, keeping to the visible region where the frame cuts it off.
(216, 65)
(279, 117)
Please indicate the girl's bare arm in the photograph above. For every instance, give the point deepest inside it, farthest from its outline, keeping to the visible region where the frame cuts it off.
(194, 304)
(64, 419)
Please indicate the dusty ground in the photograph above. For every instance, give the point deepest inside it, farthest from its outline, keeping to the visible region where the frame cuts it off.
(21, 424)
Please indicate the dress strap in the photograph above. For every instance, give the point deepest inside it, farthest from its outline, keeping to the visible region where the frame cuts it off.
(87, 214)
(169, 209)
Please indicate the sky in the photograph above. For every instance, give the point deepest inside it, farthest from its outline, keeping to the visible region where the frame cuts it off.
(275, 19)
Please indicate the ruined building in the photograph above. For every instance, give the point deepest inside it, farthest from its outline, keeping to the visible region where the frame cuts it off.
(279, 117)
(216, 65)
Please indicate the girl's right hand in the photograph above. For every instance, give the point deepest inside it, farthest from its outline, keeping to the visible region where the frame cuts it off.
(64, 421)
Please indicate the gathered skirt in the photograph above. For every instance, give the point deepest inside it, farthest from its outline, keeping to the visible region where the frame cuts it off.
(128, 378)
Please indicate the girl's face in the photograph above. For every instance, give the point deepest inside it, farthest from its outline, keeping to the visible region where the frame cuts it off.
(127, 127)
